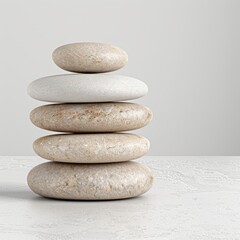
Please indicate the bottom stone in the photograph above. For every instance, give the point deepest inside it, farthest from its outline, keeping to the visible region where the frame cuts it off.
(104, 181)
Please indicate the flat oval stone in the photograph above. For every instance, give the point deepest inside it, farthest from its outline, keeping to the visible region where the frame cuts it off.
(86, 88)
(90, 57)
(91, 117)
(91, 148)
(90, 181)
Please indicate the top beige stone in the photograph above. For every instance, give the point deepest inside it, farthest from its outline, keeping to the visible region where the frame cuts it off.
(89, 57)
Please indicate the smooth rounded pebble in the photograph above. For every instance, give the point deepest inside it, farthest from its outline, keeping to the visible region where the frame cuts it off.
(91, 117)
(90, 181)
(87, 57)
(91, 148)
(86, 88)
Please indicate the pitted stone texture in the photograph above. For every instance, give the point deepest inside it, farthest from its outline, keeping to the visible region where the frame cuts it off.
(90, 57)
(91, 117)
(90, 181)
(91, 148)
(77, 88)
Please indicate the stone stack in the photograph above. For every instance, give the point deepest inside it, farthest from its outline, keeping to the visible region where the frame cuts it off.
(92, 160)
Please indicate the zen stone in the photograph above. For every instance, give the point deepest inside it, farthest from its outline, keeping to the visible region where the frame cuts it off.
(90, 57)
(91, 117)
(72, 88)
(91, 148)
(90, 181)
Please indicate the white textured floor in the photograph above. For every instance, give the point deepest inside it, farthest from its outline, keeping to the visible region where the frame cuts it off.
(194, 198)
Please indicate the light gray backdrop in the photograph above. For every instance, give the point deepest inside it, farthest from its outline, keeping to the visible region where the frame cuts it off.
(186, 51)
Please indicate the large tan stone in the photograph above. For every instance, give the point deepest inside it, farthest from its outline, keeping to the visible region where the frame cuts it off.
(90, 181)
(92, 117)
(91, 148)
(90, 57)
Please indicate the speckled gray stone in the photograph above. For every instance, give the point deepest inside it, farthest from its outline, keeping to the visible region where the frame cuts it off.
(91, 148)
(90, 181)
(90, 57)
(100, 117)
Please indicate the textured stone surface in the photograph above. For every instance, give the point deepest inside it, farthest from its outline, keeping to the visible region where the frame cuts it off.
(87, 88)
(192, 198)
(91, 117)
(90, 181)
(91, 148)
(90, 57)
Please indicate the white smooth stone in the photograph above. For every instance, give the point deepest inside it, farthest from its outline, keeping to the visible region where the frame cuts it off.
(72, 88)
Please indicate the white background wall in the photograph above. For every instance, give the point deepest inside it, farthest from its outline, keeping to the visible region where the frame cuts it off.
(186, 51)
